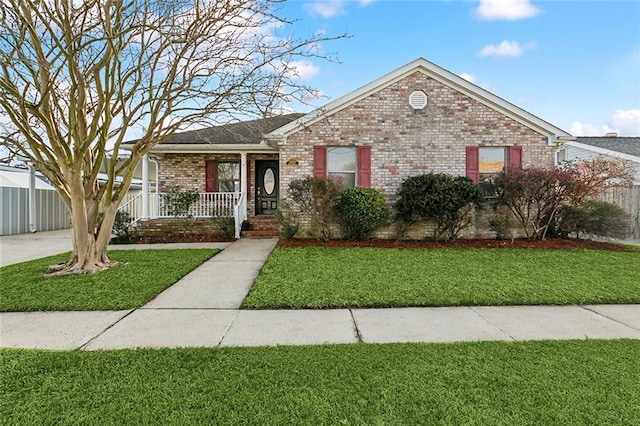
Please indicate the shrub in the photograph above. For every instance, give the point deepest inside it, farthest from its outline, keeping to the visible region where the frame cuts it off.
(226, 227)
(360, 211)
(121, 230)
(179, 202)
(448, 201)
(500, 223)
(595, 218)
(287, 221)
(315, 198)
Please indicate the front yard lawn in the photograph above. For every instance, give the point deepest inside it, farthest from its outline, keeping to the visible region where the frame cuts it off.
(593, 382)
(324, 277)
(131, 285)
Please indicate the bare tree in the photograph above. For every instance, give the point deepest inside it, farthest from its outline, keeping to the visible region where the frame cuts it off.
(76, 76)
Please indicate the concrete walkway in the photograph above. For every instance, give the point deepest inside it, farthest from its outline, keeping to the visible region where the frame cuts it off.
(201, 310)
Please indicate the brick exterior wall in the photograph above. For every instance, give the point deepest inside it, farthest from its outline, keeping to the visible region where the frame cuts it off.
(406, 142)
(188, 172)
(180, 227)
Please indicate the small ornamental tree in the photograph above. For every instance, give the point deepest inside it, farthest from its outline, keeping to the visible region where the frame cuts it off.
(315, 197)
(598, 174)
(535, 195)
(448, 201)
(360, 211)
(79, 78)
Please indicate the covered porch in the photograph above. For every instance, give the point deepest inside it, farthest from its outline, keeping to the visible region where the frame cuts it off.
(239, 185)
(230, 170)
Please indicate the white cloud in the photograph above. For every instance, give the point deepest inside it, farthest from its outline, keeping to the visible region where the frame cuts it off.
(623, 122)
(506, 49)
(326, 9)
(469, 77)
(586, 129)
(509, 10)
(304, 70)
(331, 8)
(628, 122)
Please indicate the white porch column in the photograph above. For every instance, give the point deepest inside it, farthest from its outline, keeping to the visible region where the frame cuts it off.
(32, 198)
(145, 186)
(244, 179)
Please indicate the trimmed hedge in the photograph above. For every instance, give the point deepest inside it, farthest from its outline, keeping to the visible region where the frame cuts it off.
(360, 211)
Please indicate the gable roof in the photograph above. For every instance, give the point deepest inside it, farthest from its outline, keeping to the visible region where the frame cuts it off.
(241, 133)
(618, 144)
(439, 74)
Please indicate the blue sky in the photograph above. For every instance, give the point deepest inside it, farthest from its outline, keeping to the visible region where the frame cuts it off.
(575, 64)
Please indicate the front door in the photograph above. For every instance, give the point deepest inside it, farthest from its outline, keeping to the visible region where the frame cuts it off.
(266, 187)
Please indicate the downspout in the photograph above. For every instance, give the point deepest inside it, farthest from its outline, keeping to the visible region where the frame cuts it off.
(154, 160)
(156, 208)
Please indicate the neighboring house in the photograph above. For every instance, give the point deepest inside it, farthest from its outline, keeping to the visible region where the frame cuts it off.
(417, 119)
(610, 146)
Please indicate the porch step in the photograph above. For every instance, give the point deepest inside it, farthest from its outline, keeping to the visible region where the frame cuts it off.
(262, 227)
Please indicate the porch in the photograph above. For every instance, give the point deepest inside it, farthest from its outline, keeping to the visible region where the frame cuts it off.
(171, 205)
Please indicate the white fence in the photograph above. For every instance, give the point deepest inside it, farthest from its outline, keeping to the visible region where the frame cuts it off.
(51, 213)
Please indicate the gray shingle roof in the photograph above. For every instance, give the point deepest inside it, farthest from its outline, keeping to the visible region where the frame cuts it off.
(244, 132)
(625, 145)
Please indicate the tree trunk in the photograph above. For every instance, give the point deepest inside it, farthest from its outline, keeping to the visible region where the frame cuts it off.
(90, 243)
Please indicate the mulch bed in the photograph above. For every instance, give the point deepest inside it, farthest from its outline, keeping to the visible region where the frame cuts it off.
(472, 243)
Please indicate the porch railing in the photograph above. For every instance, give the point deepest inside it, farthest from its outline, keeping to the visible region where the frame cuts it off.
(132, 205)
(240, 213)
(208, 204)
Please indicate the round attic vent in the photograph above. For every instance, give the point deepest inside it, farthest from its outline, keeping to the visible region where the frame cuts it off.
(418, 99)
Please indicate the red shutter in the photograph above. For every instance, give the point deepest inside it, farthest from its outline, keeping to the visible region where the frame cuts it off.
(515, 157)
(211, 176)
(320, 161)
(364, 166)
(473, 163)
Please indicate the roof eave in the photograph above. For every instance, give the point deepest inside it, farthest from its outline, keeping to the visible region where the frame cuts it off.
(605, 151)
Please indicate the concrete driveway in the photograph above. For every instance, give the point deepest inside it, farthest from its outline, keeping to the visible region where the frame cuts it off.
(22, 247)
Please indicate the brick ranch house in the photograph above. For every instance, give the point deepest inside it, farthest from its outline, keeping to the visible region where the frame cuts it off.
(417, 119)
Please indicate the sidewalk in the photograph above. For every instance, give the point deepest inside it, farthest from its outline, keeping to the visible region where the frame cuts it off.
(201, 310)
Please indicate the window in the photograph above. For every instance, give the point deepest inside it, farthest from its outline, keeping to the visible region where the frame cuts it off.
(484, 163)
(345, 162)
(492, 161)
(228, 177)
(341, 163)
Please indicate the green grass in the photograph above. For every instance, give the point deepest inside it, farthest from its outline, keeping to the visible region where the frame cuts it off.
(486, 383)
(323, 277)
(127, 286)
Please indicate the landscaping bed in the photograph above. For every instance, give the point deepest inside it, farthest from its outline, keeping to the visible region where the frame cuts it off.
(142, 275)
(490, 383)
(345, 277)
(555, 243)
